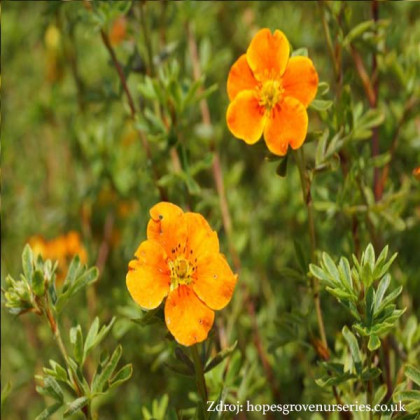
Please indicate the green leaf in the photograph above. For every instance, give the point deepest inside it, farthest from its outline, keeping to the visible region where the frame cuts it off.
(372, 118)
(81, 281)
(320, 274)
(322, 148)
(91, 335)
(57, 371)
(382, 256)
(327, 381)
(5, 391)
(330, 267)
(339, 293)
(357, 31)
(379, 395)
(392, 296)
(368, 256)
(320, 104)
(413, 407)
(374, 343)
(183, 358)
(49, 411)
(354, 348)
(222, 355)
(75, 406)
(73, 271)
(380, 292)
(101, 380)
(27, 263)
(76, 338)
(53, 389)
(369, 374)
(323, 88)
(381, 269)
(369, 305)
(345, 274)
(38, 283)
(409, 395)
(179, 368)
(300, 52)
(123, 375)
(94, 337)
(413, 373)
(87, 278)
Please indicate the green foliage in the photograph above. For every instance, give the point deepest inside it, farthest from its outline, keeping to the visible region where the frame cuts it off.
(362, 290)
(36, 289)
(36, 292)
(112, 106)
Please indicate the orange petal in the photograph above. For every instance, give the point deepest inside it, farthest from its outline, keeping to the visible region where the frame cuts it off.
(300, 80)
(288, 125)
(245, 117)
(267, 54)
(167, 226)
(148, 278)
(214, 281)
(201, 238)
(188, 319)
(240, 78)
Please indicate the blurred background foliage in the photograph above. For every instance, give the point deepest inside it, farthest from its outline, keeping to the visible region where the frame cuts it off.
(80, 155)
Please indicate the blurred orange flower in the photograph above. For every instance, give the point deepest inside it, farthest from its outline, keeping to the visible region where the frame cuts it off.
(62, 249)
(269, 93)
(416, 173)
(118, 31)
(181, 260)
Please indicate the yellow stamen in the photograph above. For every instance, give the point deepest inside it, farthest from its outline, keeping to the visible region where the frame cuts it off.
(270, 94)
(181, 272)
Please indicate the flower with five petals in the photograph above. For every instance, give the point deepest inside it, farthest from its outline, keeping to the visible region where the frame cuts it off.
(269, 93)
(180, 260)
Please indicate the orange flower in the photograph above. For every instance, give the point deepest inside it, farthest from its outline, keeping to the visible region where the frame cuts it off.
(62, 249)
(269, 93)
(416, 173)
(180, 259)
(118, 31)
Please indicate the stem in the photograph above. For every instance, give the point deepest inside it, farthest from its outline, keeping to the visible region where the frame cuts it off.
(410, 104)
(369, 389)
(328, 39)
(57, 335)
(307, 198)
(142, 136)
(147, 41)
(120, 71)
(199, 374)
(375, 131)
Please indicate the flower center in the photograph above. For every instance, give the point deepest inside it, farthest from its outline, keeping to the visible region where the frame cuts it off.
(270, 94)
(181, 272)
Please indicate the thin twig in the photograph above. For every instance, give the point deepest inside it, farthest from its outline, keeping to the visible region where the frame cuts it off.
(199, 374)
(364, 76)
(120, 72)
(142, 136)
(328, 40)
(375, 130)
(410, 104)
(307, 198)
(146, 35)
